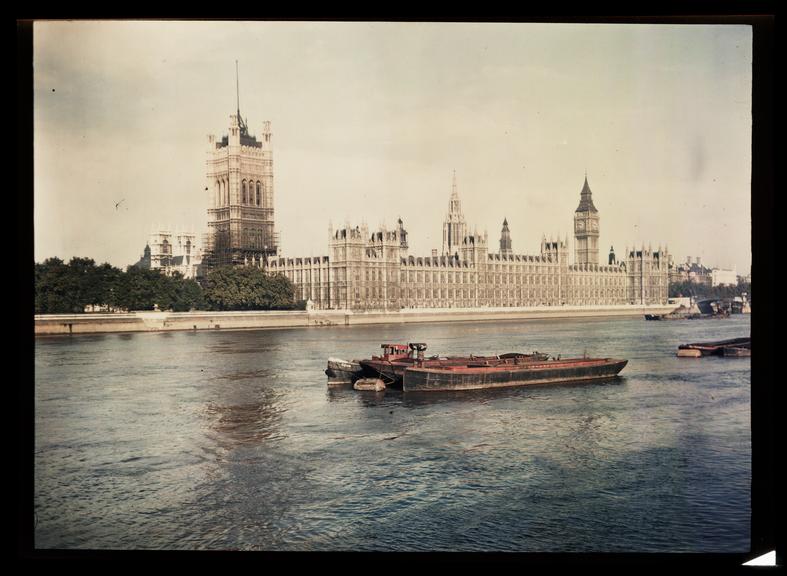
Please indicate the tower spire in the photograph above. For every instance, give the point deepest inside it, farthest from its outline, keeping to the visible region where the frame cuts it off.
(237, 86)
(243, 128)
(454, 227)
(453, 205)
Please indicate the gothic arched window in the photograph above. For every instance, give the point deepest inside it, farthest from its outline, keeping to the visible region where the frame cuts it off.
(244, 191)
(259, 188)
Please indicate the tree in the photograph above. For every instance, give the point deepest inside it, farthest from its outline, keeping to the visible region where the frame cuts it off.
(247, 288)
(69, 288)
(703, 291)
(187, 294)
(53, 294)
(138, 289)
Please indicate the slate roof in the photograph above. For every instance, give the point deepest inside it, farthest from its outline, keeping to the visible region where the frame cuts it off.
(586, 199)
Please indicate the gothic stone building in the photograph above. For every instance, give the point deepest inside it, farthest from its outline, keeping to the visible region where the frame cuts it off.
(375, 271)
(240, 197)
(172, 252)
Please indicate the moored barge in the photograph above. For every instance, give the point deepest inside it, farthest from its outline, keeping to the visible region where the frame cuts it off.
(732, 347)
(395, 361)
(473, 376)
(341, 371)
(407, 367)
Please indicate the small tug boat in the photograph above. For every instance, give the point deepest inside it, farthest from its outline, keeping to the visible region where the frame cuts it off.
(405, 366)
(342, 372)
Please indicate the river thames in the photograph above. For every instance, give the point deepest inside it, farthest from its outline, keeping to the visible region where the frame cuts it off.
(220, 440)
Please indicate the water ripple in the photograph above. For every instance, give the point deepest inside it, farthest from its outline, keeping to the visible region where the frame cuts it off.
(232, 441)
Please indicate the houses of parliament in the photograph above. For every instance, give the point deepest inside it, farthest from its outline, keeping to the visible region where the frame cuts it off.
(374, 270)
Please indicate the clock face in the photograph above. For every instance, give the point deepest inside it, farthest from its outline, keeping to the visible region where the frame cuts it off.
(580, 225)
(594, 225)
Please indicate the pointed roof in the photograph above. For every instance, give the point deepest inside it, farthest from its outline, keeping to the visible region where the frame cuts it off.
(586, 199)
(454, 205)
(505, 222)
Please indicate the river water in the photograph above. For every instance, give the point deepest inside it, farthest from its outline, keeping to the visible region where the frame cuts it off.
(232, 440)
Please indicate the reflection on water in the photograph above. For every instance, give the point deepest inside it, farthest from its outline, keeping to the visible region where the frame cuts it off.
(249, 423)
(232, 440)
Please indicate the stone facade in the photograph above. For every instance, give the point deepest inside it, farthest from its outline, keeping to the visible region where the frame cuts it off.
(172, 252)
(693, 272)
(586, 228)
(373, 271)
(311, 277)
(505, 240)
(454, 225)
(239, 173)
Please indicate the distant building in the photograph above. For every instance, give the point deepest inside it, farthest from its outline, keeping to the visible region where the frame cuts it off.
(373, 271)
(693, 272)
(505, 239)
(454, 226)
(144, 262)
(240, 197)
(172, 252)
(586, 228)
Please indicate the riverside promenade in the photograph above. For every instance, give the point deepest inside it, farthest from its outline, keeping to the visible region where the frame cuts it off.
(92, 323)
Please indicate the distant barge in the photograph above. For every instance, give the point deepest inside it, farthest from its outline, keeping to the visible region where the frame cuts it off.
(413, 372)
(732, 348)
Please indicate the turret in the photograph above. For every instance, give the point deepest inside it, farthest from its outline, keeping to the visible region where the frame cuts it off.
(403, 246)
(586, 228)
(454, 226)
(505, 239)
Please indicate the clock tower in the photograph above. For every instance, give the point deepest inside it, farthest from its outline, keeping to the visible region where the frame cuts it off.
(586, 228)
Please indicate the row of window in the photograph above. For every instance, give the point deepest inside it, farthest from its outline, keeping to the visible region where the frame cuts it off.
(166, 247)
(419, 277)
(251, 193)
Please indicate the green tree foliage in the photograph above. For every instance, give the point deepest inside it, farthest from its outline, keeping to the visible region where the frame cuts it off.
(186, 294)
(53, 288)
(247, 288)
(704, 291)
(68, 288)
(141, 290)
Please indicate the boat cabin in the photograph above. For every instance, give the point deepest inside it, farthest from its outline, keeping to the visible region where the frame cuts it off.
(402, 351)
(394, 351)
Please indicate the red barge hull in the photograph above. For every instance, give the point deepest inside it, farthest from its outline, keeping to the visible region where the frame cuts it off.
(449, 378)
(396, 359)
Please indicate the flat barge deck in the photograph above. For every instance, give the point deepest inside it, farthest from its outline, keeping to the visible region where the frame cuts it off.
(471, 377)
(412, 371)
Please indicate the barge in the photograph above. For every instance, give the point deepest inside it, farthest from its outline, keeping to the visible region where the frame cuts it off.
(407, 367)
(734, 347)
(475, 376)
(342, 372)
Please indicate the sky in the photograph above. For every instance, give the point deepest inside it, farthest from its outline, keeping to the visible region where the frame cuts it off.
(370, 120)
